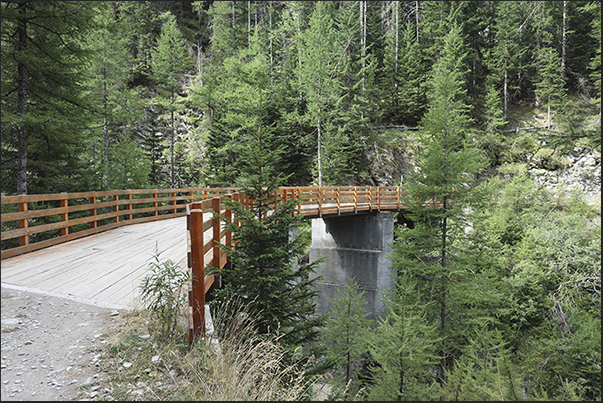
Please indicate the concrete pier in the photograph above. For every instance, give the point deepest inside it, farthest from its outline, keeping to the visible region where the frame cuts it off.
(356, 246)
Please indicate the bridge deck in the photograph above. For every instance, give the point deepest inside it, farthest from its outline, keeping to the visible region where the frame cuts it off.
(103, 269)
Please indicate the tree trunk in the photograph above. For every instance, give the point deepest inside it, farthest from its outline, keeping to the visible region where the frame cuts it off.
(417, 20)
(319, 151)
(401, 387)
(505, 93)
(443, 292)
(22, 101)
(106, 131)
(362, 39)
(564, 40)
(270, 36)
(234, 36)
(172, 152)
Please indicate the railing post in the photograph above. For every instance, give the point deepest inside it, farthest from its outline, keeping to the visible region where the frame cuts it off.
(320, 201)
(228, 218)
(197, 295)
(398, 197)
(155, 212)
(65, 215)
(370, 198)
(355, 200)
(129, 205)
(378, 198)
(174, 202)
(116, 207)
(93, 224)
(190, 193)
(338, 201)
(23, 223)
(215, 205)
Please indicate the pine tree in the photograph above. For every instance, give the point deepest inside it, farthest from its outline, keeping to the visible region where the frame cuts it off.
(318, 65)
(107, 83)
(484, 371)
(346, 333)
(43, 103)
(169, 64)
(441, 190)
(263, 272)
(403, 347)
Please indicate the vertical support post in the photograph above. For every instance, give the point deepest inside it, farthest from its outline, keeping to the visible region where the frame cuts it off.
(236, 197)
(378, 198)
(320, 202)
(190, 193)
(355, 200)
(155, 212)
(338, 201)
(116, 207)
(129, 206)
(93, 224)
(197, 294)
(228, 217)
(215, 206)
(173, 202)
(64, 216)
(398, 197)
(23, 223)
(370, 198)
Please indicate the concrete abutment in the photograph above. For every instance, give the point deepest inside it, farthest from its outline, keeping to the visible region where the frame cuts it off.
(357, 246)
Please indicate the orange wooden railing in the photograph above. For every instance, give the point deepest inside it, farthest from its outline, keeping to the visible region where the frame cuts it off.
(61, 217)
(206, 231)
(42, 220)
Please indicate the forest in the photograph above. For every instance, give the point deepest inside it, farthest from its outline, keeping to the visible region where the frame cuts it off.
(498, 294)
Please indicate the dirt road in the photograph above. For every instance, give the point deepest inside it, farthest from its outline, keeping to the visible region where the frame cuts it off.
(51, 346)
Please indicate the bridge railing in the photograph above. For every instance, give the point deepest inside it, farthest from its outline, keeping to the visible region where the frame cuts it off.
(327, 200)
(206, 231)
(31, 222)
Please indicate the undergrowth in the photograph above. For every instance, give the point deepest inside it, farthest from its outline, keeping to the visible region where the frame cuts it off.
(144, 362)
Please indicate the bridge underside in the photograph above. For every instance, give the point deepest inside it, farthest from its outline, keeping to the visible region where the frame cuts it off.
(354, 246)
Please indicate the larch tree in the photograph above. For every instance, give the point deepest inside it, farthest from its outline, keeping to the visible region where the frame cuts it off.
(346, 332)
(265, 272)
(440, 192)
(169, 63)
(107, 82)
(43, 103)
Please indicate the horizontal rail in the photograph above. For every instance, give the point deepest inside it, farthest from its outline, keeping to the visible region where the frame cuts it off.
(206, 232)
(32, 222)
(42, 220)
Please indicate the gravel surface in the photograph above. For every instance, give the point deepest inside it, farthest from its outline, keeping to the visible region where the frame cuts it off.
(51, 345)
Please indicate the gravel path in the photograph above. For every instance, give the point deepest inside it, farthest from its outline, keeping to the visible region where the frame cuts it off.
(51, 345)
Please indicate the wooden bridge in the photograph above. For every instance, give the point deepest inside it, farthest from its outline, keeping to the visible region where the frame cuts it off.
(47, 243)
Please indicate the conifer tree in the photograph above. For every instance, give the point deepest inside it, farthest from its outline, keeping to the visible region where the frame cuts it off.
(440, 192)
(263, 273)
(169, 63)
(43, 104)
(403, 347)
(484, 371)
(346, 332)
(107, 84)
(318, 65)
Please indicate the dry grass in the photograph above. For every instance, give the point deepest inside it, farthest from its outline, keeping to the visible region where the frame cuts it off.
(140, 364)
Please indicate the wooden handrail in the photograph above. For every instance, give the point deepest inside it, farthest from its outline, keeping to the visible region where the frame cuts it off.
(43, 220)
(311, 202)
(100, 211)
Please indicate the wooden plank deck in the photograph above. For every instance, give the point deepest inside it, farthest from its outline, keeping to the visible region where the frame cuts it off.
(103, 269)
